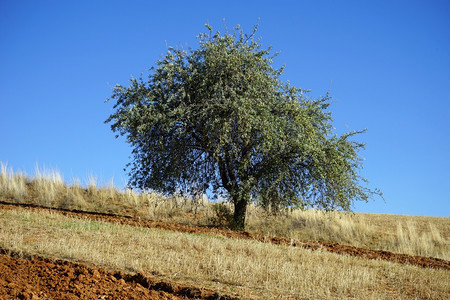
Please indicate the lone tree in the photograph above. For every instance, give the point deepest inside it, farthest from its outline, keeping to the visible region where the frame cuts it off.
(220, 119)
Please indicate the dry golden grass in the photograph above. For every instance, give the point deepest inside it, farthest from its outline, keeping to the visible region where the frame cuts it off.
(12, 186)
(47, 188)
(249, 268)
(424, 236)
(415, 235)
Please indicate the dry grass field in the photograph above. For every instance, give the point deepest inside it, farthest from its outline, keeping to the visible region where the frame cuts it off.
(245, 268)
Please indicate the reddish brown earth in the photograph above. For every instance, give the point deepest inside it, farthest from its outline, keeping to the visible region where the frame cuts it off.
(424, 262)
(33, 277)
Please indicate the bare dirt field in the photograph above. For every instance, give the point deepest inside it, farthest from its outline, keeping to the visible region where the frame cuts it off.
(33, 277)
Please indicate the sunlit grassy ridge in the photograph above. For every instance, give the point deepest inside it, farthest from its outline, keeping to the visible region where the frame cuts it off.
(424, 236)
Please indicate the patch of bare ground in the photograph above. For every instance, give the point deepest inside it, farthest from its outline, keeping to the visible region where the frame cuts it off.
(33, 277)
(419, 261)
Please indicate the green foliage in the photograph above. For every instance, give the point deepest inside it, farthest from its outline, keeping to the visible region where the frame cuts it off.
(223, 216)
(220, 118)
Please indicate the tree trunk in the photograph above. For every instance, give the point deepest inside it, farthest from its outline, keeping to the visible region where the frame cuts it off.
(240, 208)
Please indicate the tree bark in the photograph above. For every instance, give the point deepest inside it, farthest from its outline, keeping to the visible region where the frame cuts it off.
(240, 209)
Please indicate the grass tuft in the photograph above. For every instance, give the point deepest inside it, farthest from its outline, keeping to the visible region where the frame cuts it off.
(12, 186)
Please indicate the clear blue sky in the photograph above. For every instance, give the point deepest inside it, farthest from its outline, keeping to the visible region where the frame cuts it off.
(386, 64)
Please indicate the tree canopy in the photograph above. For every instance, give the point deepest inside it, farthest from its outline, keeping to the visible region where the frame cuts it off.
(219, 118)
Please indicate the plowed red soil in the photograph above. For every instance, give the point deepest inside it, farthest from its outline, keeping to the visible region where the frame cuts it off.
(425, 262)
(33, 277)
